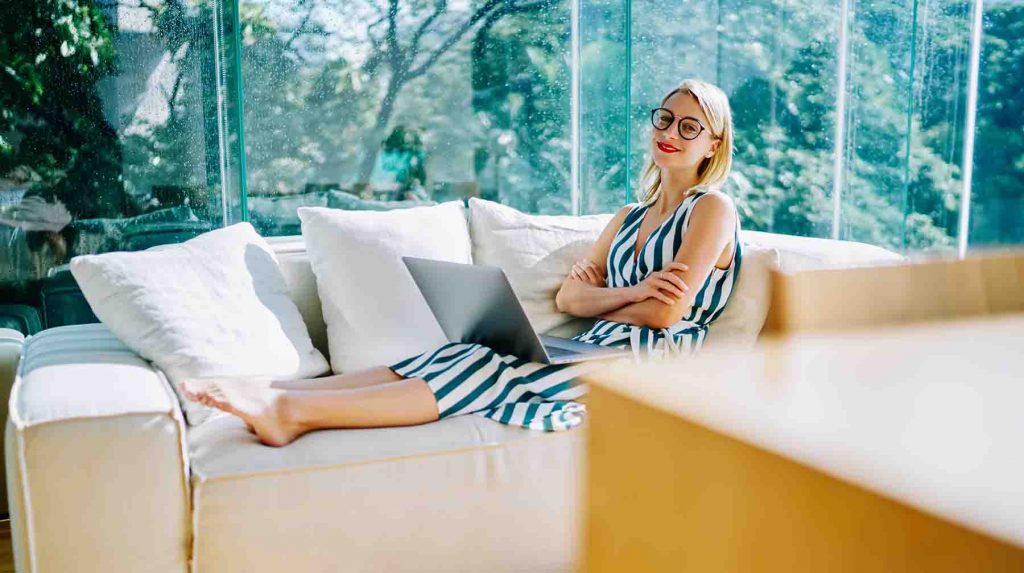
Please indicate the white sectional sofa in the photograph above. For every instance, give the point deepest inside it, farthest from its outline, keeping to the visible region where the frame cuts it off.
(103, 473)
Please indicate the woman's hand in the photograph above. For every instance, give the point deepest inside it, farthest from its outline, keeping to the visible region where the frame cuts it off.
(585, 270)
(663, 285)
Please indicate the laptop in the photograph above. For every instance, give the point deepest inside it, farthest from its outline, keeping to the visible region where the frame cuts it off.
(476, 303)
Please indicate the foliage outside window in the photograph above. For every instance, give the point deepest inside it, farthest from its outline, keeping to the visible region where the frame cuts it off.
(122, 121)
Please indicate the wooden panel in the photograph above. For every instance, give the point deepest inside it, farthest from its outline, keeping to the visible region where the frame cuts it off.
(6, 549)
(877, 296)
(664, 494)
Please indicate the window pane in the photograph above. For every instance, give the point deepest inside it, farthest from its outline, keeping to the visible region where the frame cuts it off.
(907, 70)
(604, 118)
(997, 194)
(109, 136)
(777, 63)
(350, 105)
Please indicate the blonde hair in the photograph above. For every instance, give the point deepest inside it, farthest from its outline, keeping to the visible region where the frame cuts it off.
(713, 171)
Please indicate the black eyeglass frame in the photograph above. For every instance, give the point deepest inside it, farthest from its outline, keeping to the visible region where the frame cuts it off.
(679, 123)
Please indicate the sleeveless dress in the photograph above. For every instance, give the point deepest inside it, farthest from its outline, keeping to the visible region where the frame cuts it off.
(473, 379)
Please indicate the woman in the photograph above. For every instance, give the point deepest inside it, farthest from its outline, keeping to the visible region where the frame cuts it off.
(636, 282)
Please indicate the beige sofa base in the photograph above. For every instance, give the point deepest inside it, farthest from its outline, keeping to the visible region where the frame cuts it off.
(505, 507)
(104, 475)
(94, 448)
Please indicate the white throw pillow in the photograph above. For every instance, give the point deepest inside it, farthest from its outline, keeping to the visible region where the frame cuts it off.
(374, 312)
(215, 305)
(535, 251)
(747, 308)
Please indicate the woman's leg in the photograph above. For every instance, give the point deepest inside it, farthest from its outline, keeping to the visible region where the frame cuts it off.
(369, 377)
(279, 416)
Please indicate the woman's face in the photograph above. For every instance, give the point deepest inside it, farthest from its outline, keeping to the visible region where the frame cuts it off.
(672, 151)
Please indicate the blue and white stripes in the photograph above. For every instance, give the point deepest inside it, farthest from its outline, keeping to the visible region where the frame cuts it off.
(625, 268)
(470, 378)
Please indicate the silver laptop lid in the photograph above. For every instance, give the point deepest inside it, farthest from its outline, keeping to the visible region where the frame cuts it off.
(476, 303)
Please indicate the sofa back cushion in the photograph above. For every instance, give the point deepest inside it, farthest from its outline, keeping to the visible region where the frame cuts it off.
(744, 315)
(375, 314)
(535, 251)
(809, 253)
(293, 259)
(216, 305)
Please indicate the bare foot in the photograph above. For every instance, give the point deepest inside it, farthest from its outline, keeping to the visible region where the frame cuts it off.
(260, 407)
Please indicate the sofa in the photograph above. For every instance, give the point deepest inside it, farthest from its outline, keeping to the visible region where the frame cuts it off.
(105, 474)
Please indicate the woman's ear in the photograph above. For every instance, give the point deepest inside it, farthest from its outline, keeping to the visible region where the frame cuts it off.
(714, 148)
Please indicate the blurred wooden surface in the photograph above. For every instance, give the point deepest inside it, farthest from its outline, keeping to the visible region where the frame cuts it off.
(6, 552)
(893, 450)
(840, 299)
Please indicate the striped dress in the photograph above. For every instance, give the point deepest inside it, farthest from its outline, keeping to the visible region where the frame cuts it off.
(473, 379)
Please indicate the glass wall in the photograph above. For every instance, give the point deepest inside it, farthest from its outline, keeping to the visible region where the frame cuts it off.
(375, 104)
(907, 70)
(903, 70)
(997, 189)
(116, 132)
(604, 112)
(776, 61)
(122, 122)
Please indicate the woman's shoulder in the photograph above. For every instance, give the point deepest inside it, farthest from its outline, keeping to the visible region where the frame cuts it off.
(714, 212)
(623, 212)
(714, 203)
(714, 194)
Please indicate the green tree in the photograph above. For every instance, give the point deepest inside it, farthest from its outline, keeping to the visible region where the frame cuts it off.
(520, 81)
(998, 188)
(52, 127)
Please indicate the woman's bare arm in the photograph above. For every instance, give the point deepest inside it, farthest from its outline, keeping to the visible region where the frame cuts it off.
(580, 298)
(712, 226)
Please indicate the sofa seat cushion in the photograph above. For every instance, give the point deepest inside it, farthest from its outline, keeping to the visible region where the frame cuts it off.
(225, 449)
(497, 498)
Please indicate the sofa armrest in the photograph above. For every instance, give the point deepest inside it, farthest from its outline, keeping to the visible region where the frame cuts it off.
(11, 342)
(97, 471)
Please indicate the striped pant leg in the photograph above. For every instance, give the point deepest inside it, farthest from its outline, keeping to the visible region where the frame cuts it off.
(470, 378)
(542, 397)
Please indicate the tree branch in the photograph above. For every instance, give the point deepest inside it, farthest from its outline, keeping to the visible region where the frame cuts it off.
(301, 27)
(488, 11)
(439, 9)
(395, 57)
(482, 12)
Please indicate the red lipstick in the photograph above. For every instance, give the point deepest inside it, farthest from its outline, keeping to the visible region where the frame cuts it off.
(666, 148)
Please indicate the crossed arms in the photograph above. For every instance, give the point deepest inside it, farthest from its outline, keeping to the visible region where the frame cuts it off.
(664, 297)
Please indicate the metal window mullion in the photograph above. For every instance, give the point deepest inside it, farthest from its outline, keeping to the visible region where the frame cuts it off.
(838, 163)
(910, 128)
(628, 32)
(243, 184)
(967, 165)
(574, 185)
(219, 90)
(574, 111)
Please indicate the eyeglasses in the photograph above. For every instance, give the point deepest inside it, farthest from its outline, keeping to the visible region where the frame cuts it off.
(689, 127)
